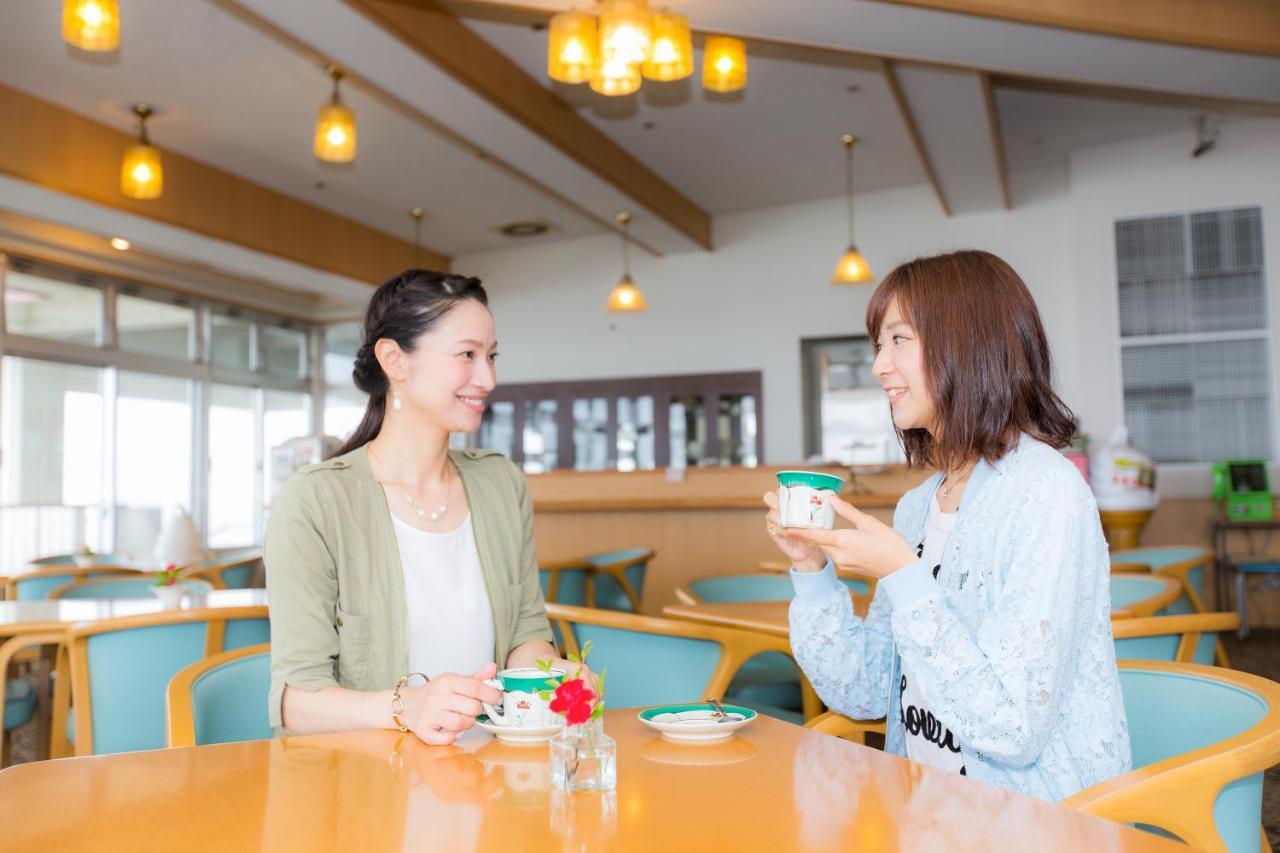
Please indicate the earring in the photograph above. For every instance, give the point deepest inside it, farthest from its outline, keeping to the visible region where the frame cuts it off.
(395, 401)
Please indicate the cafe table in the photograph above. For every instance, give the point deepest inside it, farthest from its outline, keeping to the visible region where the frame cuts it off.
(774, 786)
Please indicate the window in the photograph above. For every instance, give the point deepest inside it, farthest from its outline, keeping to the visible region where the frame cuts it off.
(153, 457)
(1194, 342)
(344, 403)
(847, 419)
(285, 352)
(233, 467)
(155, 327)
(39, 305)
(233, 342)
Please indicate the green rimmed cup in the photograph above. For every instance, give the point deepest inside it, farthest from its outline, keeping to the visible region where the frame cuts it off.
(802, 499)
(522, 707)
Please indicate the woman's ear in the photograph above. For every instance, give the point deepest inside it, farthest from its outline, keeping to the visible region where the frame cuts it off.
(391, 358)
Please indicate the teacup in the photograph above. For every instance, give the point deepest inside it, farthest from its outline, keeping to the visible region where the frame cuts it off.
(522, 707)
(802, 499)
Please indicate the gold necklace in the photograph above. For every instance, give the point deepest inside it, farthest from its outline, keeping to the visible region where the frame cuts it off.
(946, 489)
(419, 511)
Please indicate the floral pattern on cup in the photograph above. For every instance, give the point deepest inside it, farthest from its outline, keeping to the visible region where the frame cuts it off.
(802, 499)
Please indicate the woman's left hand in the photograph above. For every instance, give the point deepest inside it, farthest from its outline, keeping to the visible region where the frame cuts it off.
(870, 547)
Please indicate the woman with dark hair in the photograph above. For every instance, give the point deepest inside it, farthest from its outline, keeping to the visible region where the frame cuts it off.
(987, 646)
(398, 555)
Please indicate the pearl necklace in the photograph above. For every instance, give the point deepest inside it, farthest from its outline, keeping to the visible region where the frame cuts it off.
(419, 511)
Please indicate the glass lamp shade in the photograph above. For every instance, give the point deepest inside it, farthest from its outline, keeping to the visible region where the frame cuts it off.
(571, 49)
(91, 24)
(615, 77)
(670, 50)
(724, 64)
(852, 268)
(626, 296)
(335, 134)
(625, 30)
(141, 173)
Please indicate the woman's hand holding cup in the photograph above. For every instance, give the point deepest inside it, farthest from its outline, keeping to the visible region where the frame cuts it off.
(447, 705)
(805, 556)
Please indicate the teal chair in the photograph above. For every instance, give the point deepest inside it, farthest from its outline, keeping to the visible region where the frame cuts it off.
(619, 579)
(770, 679)
(1183, 638)
(1187, 563)
(1144, 594)
(566, 582)
(37, 585)
(19, 708)
(221, 699)
(229, 570)
(1201, 738)
(652, 661)
(120, 671)
(118, 587)
(70, 560)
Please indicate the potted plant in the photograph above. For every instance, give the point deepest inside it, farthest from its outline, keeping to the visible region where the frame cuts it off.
(583, 757)
(84, 558)
(167, 588)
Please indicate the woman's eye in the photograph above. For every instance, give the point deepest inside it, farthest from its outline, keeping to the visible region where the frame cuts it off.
(879, 346)
(897, 339)
(468, 354)
(493, 357)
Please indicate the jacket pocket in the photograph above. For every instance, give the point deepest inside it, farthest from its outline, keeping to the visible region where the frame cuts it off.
(353, 647)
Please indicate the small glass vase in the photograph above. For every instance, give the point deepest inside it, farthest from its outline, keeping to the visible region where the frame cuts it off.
(584, 758)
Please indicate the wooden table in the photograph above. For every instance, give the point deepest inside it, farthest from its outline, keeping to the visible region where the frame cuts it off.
(767, 617)
(774, 787)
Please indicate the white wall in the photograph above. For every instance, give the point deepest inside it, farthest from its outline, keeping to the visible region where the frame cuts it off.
(747, 304)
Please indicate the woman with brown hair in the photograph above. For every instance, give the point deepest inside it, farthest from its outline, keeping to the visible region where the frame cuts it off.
(988, 644)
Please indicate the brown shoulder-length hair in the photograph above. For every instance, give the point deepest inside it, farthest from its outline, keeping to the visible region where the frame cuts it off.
(985, 357)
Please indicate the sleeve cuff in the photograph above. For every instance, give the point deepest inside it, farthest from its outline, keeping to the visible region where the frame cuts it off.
(908, 584)
(815, 587)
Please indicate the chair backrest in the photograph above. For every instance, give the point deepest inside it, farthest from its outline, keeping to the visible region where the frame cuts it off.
(619, 578)
(566, 582)
(221, 699)
(121, 587)
(1188, 638)
(120, 669)
(755, 587)
(1201, 738)
(37, 585)
(232, 570)
(70, 560)
(1188, 563)
(655, 661)
(1144, 594)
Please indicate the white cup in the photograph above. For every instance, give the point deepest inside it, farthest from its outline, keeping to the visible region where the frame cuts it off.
(522, 707)
(802, 499)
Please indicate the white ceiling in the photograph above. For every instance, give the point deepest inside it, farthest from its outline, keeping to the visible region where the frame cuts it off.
(233, 94)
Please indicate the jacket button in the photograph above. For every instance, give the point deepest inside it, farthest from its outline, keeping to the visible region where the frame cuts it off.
(339, 621)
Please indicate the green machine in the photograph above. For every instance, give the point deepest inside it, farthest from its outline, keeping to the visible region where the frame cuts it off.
(1242, 486)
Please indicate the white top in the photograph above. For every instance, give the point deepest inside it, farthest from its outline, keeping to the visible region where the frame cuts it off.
(450, 620)
(928, 740)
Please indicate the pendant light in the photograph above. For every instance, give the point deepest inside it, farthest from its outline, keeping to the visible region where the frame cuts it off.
(572, 56)
(615, 77)
(626, 296)
(91, 24)
(335, 140)
(852, 267)
(141, 172)
(724, 64)
(670, 49)
(625, 30)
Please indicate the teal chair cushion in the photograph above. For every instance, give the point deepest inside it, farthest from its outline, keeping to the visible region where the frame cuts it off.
(38, 589)
(757, 587)
(229, 702)
(1158, 558)
(1175, 713)
(609, 593)
(1165, 648)
(1127, 589)
(238, 577)
(70, 560)
(649, 669)
(246, 632)
(130, 588)
(19, 703)
(572, 588)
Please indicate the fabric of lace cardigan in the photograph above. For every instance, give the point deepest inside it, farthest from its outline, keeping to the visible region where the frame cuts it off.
(1011, 644)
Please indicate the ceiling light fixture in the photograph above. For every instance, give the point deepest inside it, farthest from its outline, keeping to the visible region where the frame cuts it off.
(626, 30)
(335, 140)
(724, 64)
(670, 56)
(92, 25)
(852, 267)
(120, 244)
(141, 172)
(572, 54)
(626, 296)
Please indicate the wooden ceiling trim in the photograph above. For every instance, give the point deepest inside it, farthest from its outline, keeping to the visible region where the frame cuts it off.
(997, 137)
(913, 130)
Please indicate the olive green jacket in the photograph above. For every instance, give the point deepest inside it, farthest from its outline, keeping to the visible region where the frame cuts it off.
(336, 584)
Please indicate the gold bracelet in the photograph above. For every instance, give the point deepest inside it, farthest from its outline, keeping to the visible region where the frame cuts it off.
(397, 704)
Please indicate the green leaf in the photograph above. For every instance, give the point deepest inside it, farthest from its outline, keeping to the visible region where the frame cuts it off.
(573, 657)
(598, 711)
(543, 665)
(586, 650)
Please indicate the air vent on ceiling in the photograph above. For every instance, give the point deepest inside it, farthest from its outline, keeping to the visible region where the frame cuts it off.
(528, 228)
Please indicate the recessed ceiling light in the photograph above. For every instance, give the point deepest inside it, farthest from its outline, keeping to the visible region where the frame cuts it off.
(120, 243)
(529, 228)
(852, 88)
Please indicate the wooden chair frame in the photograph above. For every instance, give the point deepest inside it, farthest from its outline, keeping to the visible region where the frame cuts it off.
(179, 718)
(213, 573)
(838, 725)
(1177, 794)
(9, 649)
(781, 567)
(553, 580)
(1182, 571)
(1171, 591)
(58, 591)
(78, 573)
(75, 653)
(618, 571)
(1190, 625)
(736, 646)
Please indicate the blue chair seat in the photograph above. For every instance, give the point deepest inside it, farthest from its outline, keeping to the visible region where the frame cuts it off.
(229, 702)
(1259, 567)
(19, 703)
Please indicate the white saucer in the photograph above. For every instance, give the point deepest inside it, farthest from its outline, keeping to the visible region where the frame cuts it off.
(696, 722)
(517, 735)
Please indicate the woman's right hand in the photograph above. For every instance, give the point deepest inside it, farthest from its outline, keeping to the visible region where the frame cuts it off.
(805, 556)
(446, 706)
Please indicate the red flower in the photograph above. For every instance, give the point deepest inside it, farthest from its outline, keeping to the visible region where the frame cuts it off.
(573, 699)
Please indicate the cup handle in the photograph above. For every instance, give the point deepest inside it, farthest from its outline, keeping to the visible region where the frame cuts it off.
(495, 715)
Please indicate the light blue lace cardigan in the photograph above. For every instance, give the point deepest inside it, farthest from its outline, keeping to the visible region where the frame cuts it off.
(1011, 644)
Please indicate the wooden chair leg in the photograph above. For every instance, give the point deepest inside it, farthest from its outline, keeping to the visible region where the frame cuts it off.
(59, 747)
(6, 751)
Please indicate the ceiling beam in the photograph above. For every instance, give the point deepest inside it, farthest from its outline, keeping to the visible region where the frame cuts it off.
(1241, 26)
(442, 39)
(997, 137)
(56, 148)
(913, 130)
(1178, 100)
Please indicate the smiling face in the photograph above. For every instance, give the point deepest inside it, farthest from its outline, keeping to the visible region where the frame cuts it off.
(451, 370)
(899, 367)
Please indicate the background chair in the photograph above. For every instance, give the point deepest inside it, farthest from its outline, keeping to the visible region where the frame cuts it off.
(220, 699)
(233, 570)
(1187, 563)
(838, 725)
(70, 560)
(781, 567)
(566, 582)
(1201, 738)
(1186, 638)
(619, 578)
(36, 585)
(122, 587)
(120, 671)
(1144, 594)
(654, 661)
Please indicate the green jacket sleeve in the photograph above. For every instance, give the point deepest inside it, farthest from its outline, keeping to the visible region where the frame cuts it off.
(302, 587)
(531, 623)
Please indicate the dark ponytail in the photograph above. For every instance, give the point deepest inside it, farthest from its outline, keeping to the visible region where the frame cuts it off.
(402, 309)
